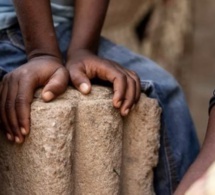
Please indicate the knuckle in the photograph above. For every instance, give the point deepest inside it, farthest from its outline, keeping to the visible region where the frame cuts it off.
(20, 100)
(5, 78)
(133, 72)
(131, 81)
(135, 75)
(12, 76)
(25, 72)
(75, 66)
(58, 84)
(76, 78)
(121, 76)
(18, 74)
(26, 75)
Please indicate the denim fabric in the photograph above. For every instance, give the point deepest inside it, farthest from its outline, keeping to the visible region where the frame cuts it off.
(179, 145)
(12, 50)
(62, 11)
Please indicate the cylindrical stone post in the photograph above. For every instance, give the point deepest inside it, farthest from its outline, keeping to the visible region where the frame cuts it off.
(81, 145)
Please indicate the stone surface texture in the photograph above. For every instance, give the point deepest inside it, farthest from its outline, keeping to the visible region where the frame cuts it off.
(80, 145)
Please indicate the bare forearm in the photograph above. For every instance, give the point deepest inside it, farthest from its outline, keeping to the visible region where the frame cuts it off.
(36, 24)
(88, 21)
(204, 160)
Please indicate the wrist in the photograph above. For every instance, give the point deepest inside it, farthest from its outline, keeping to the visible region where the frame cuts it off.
(76, 53)
(46, 57)
(43, 53)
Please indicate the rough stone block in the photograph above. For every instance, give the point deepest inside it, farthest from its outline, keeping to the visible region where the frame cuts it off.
(80, 145)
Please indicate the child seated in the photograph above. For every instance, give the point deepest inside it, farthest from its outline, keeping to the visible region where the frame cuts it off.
(46, 44)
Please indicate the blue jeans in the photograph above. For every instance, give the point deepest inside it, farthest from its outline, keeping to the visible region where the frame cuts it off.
(179, 145)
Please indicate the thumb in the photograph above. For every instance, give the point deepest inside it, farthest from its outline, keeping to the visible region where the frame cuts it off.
(56, 85)
(80, 81)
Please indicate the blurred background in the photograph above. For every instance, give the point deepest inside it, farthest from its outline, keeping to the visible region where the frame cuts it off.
(179, 35)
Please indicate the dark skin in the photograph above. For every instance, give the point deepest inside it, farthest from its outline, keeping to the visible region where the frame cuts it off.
(205, 158)
(45, 67)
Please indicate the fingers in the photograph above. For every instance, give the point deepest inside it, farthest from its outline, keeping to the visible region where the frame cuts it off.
(80, 81)
(11, 111)
(119, 87)
(135, 77)
(17, 89)
(126, 86)
(4, 121)
(23, 102)
(16, 98)
(129, 99)
(125, 93)
(56, 85)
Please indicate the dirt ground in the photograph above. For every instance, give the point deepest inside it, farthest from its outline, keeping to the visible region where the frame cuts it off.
(202, 77)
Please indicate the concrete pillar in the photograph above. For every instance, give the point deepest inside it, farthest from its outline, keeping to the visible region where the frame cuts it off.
(80, 145)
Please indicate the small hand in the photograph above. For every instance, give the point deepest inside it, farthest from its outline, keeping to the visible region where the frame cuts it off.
(17, 90)
(83, 66)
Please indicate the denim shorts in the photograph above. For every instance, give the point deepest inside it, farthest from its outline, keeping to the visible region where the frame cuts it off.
(179, 144)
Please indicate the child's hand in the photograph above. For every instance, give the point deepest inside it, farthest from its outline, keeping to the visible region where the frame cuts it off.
(17, 90)
(83, 66)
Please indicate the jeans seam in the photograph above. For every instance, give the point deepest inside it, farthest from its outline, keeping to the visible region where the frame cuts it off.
(171, 164)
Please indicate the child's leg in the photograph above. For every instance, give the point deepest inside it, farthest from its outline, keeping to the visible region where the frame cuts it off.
(12, 53)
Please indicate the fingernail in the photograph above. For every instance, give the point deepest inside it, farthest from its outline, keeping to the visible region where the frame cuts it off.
(17, 140)
(126, 112)
(84, 88)
(9, 137)
(48, 96)
(23, 131)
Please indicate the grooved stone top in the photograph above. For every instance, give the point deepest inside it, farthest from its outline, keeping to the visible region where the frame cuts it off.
(80, 145)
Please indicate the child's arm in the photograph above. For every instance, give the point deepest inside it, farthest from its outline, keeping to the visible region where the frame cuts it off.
(83, 64)
(44, 68)
(35, 20)
(205, 158)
